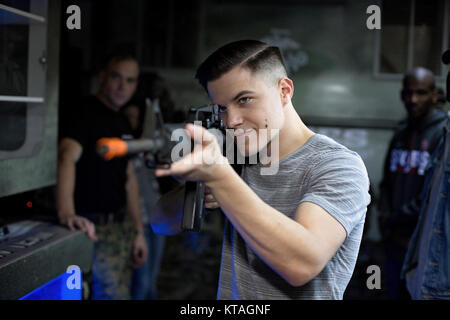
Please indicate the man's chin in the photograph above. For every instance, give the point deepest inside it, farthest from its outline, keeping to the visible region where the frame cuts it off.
(119, 104)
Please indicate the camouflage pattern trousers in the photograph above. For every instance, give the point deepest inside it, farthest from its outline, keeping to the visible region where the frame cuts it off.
(112, 264)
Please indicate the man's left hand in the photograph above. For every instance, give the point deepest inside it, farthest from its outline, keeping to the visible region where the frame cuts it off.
(140, 250)
(203, 162)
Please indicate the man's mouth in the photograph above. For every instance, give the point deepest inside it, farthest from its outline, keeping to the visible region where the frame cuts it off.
(243, 132)
(412, 108)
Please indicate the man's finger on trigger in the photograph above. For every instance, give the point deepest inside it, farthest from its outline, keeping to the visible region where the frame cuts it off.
(176, 168)
(163, 172)
(199, 134)
(212, 205)
(183, 166)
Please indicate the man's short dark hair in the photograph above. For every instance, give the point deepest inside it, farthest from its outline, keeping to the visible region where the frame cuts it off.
(118, 54)
(254, 55)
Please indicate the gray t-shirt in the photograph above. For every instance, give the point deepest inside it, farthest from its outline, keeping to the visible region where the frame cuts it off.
(322, 172)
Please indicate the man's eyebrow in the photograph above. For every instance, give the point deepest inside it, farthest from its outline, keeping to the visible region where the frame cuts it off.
(243, 92)
(115, 73)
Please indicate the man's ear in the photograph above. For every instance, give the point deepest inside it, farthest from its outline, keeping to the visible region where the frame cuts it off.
(286, 87)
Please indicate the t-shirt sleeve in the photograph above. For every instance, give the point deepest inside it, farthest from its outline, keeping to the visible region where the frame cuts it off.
(75, 126)
(340, 185)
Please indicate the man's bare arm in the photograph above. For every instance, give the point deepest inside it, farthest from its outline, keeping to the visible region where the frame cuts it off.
(69, 152)
(133, 198)
(297, 249)
(134, 209)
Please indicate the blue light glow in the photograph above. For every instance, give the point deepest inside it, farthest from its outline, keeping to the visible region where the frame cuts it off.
(55, 289)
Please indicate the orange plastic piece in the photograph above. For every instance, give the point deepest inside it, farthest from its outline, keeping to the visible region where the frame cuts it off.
(112, 147)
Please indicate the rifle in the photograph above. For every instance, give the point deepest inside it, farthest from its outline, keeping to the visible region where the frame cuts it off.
(157, 146)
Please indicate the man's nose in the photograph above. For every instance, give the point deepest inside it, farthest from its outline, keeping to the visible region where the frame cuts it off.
(414, 98)
(233, 118)
(122, 84)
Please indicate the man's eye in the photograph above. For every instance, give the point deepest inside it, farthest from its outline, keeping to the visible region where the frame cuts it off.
(222, 108)
(244, 100)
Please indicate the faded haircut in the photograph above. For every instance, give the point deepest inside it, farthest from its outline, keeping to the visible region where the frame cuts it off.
(256, 56)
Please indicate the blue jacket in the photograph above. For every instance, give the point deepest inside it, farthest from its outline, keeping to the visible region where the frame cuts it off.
(426, 268)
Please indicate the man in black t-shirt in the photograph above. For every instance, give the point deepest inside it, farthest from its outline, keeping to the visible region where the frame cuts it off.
(100, 196)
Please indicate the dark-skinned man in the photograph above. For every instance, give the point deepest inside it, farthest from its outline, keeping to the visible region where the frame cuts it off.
(426, 268)
(406, 161)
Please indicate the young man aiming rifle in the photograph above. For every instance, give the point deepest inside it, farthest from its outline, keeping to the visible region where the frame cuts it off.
(293, 234)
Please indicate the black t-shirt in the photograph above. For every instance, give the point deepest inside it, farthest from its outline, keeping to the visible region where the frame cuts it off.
(99, 184)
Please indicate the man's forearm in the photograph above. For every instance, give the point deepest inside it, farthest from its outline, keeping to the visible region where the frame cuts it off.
(64, 189)
(284, 244)
(133, 200)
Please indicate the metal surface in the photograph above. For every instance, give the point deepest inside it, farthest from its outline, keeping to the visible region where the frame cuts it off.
(25, 14)
(22, 99)
(34, 252)
(28, 173)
